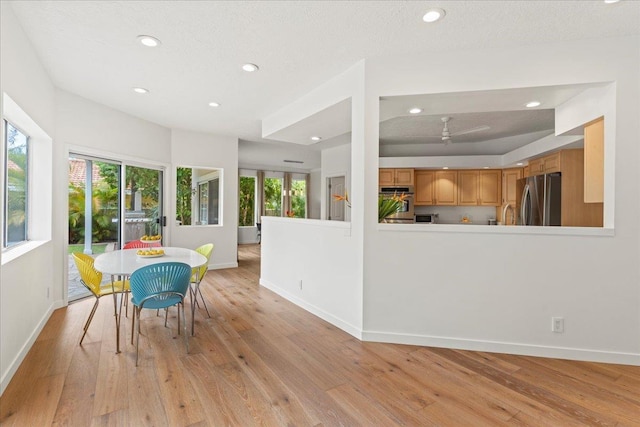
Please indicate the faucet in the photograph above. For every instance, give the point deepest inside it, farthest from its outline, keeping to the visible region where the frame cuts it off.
(507, 207)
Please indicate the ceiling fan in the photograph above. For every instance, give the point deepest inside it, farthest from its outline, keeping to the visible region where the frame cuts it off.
(447, 134)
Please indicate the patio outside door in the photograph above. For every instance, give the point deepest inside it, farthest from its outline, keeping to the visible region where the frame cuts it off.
(142, 203)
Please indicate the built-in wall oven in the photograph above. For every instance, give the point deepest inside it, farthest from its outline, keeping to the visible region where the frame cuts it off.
(406, 213)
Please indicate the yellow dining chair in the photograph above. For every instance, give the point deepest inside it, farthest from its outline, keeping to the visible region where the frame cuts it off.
(197, 274)
(92, 280)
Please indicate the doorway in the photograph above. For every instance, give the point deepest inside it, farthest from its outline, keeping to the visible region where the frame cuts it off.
(335, 208)
(110, 204)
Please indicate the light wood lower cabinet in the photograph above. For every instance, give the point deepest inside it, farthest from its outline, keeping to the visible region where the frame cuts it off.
(446, 188)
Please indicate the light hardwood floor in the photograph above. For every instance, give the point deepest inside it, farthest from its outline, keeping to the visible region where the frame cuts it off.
(260, 360)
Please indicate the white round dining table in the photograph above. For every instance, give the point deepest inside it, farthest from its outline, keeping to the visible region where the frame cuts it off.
(125, 262)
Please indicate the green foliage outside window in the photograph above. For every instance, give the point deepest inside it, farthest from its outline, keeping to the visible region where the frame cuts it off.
(247, 201)
(183, 195)
(273, 196)
(298, 198)
(16, 186)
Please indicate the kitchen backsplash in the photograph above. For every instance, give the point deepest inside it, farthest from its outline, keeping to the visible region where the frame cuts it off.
(454, 214)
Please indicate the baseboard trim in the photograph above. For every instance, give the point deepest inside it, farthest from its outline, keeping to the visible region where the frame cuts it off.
(17, 361)
(324, 315)
(587, 355)
(223, 265)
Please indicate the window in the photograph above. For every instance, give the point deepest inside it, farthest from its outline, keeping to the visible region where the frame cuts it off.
(198, 196)
(273, 196)
(299, 198)
(247, 201)
(17, 185)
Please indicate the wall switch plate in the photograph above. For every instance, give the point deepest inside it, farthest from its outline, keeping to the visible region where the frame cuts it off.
(557, 325)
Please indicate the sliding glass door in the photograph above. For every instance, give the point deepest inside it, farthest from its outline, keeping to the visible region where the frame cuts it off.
(110, 204)
(142, 203)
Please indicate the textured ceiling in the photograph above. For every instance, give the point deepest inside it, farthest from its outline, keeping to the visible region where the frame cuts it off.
(89, 47)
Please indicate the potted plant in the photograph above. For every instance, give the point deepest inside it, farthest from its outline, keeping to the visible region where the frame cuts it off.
(387, 206)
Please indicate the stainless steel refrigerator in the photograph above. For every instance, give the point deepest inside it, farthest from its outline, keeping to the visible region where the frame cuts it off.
(540, 199)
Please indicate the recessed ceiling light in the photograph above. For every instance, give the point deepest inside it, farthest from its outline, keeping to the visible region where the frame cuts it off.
(433, 15)
(519, 164)
(140, 90)
(316, 138)
(214, 104)
(533, 104)
(250, 68)
(415, 110)
(446, 167)
(611, 1)
(149, 41)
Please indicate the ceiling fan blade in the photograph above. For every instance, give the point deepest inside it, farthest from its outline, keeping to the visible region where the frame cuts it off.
(476, 129)
(423, 136)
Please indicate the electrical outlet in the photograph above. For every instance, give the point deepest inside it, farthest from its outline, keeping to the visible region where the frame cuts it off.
(557, 325)
(300, 283)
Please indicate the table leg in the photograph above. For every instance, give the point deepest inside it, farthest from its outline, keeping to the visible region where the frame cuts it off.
(117, 310)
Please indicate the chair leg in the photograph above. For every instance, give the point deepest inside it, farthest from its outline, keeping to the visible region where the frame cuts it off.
(193, 309)
(166, 316)
(203, 302)
(88, 322)
(133, 322)
(137, 311)
(184, 322)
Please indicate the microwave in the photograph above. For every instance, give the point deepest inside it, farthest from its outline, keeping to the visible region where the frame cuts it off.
(427, 218)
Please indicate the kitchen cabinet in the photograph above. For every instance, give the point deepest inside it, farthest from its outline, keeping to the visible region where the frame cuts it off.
(446, 188)
(424, 188)
(536, 167)
(575, 212)
(594, 161)
(551, 163)
(542, 165)
(388, 176)
(468, 188)
(479, 188)
(510, 178)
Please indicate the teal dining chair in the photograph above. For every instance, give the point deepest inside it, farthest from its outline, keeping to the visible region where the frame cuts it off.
(159, 286)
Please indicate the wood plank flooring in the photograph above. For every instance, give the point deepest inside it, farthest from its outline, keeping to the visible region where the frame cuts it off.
(260, 360)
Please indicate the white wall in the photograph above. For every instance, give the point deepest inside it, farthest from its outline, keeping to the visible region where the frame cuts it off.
(315, 194)
(336, 161)
(328, 288)
(195, 149)
(499, 292)
(24, 304)
(494, 290)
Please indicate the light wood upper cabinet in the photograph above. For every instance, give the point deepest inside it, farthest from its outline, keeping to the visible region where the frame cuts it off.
(551, 163)
(468, 188)
(510, 178)
(479, 188)
(386, 176)
(446, 188)
(542, 165)
(425, 187)
(396, 177)
(536, 167)
(594, 162)
(489, 187)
